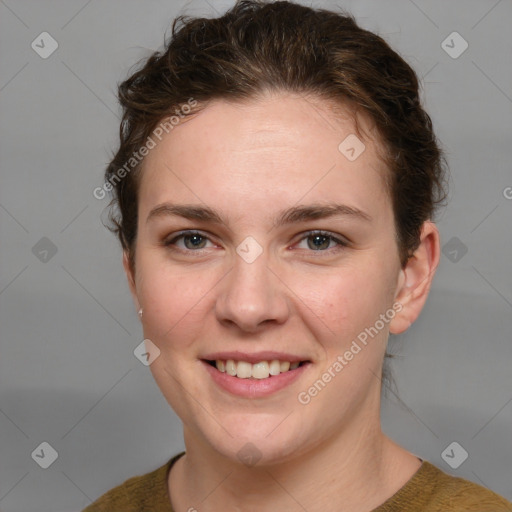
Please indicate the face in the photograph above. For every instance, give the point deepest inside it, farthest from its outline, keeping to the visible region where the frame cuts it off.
(260, 241)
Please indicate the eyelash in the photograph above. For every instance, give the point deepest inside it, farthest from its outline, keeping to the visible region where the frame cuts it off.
(341, 243)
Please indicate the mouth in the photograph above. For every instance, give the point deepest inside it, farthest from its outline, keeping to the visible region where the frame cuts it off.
(256, 371)
(257, 379)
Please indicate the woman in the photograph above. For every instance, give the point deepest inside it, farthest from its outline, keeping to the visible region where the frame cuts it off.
(275, 186)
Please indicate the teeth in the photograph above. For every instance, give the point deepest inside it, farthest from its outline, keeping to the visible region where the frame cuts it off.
(243, 370)
(284, 366)
(274, 367)
(261, 370)
(231, 367)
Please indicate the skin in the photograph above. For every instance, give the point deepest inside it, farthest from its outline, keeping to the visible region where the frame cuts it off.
(249, 161)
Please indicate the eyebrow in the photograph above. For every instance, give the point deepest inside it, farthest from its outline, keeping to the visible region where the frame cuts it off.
(291, 215)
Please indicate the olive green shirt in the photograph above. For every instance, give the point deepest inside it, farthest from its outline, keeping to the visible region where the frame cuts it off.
(428, 490)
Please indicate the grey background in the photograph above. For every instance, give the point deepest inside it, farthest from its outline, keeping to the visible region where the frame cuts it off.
(68, 375)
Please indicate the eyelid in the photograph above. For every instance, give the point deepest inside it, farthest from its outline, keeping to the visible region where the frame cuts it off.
(171, 239)
(339, 239)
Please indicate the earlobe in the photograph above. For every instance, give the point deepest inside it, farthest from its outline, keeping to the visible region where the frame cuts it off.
(415, 279)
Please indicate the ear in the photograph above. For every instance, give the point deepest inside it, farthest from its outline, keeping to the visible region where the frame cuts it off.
(130, 276)
(415, 279)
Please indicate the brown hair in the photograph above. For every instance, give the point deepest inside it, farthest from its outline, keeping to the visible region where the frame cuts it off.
(282, 46)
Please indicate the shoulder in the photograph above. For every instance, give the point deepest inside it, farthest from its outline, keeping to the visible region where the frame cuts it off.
(451, 493)
(138, 493)
(432, 490)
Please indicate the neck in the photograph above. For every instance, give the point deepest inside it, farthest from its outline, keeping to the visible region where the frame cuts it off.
(360, 468)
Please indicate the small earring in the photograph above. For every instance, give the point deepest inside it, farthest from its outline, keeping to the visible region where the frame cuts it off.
(140, 312)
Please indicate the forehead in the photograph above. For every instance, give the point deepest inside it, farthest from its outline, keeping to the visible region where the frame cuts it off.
(280, 146)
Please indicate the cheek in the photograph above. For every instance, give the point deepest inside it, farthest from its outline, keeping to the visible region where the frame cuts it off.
(175, 303)
(346, 301)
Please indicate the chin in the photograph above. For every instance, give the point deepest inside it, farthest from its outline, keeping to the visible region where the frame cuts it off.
(258, 444)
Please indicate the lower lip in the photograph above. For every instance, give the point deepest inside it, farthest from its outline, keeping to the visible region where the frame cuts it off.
(254, 388)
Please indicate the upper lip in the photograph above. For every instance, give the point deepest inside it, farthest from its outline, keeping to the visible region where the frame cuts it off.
(255, 357)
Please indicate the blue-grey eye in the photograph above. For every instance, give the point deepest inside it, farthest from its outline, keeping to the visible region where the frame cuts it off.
(319, 242)
(195, 240)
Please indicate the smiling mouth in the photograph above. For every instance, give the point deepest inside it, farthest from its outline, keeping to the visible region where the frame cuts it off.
(260, 370)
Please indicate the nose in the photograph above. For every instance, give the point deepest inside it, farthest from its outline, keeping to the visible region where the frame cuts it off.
(252, 296)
